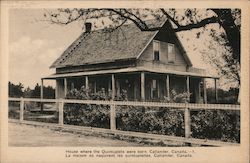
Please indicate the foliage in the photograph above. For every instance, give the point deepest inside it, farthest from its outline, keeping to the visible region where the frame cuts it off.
(154, 119)
(216, 124)
(19, 91)
(220, 125)
(178, 97)
(87, 114)
(165, 121)
(13, 114)
(48, 92)
(15, 90)
(224, 97)
(130, 118)
(223, 62)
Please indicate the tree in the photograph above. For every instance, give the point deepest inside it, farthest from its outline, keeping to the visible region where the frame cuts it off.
(49, 92)
(27, 92)
(37, 91)
(228, 64)
(15, 90)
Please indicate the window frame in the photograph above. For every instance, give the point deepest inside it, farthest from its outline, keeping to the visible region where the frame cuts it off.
(154, 89)
(154, 84)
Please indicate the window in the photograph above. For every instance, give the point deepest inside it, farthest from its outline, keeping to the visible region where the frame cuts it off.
(154, 84)
(154, 89)
(171, 53)
(156, 47)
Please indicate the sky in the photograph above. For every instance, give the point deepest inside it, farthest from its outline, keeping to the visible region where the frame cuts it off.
(34, 44)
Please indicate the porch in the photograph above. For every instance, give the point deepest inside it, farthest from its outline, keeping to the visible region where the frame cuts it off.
(139, 84)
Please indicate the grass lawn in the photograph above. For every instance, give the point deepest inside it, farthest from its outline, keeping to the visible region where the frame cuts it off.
(49, 114)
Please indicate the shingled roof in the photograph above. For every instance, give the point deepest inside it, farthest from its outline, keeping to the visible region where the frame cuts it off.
(101, 46)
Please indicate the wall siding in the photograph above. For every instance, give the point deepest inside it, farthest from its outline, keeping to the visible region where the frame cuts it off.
(147, 57)
(159, 65)
(164, 37)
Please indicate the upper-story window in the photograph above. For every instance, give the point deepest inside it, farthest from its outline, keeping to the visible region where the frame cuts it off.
(156, 47)
(171, 53)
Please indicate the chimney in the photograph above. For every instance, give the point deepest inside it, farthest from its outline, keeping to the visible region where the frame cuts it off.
(88, 27)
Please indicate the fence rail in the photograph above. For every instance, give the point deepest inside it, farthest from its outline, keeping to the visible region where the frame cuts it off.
(184, 106)
(135, 103)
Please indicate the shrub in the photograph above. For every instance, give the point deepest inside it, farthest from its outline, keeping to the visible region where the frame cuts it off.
(152, 120)
(216, 124)
(208, 124)
(87, 114)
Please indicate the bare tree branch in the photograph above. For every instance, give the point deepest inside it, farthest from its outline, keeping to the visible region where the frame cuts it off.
(169, 17)
(200, 24)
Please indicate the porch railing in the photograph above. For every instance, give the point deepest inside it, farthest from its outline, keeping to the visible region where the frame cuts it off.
(187, 107)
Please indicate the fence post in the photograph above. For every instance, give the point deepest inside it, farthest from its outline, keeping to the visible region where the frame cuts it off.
(187, 121)
(21, 109)
(112, 117)
(61, 105)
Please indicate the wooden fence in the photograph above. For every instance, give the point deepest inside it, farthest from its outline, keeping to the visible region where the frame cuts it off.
(184, 106)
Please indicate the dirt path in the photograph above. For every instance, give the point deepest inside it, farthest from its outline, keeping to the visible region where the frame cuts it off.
(30, 136)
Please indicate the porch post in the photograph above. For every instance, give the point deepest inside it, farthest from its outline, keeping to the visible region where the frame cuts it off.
(113, 86)
(188, 89)
(87, 85)
(56, 90)
(142, 86)
(167, 85)
(57, 94)
(204, 91)
(41, 94)
(65, 87)
(87, 82)
(215, 88)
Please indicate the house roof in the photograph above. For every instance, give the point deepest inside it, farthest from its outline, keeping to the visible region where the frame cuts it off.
(99, 46)
(132, 70)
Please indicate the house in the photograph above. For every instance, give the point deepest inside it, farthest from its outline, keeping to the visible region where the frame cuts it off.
(147, 65)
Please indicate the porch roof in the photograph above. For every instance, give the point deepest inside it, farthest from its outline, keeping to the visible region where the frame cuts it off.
(129, 70)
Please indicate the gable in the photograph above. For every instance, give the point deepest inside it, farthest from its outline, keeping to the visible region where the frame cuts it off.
(166, 38)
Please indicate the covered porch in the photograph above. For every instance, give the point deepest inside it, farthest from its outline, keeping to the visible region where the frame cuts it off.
(139, 84)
